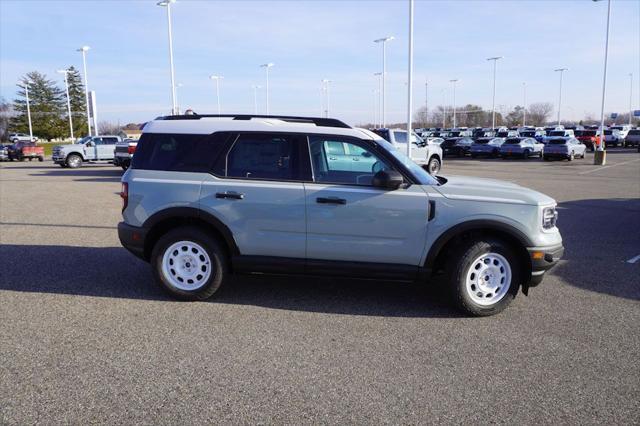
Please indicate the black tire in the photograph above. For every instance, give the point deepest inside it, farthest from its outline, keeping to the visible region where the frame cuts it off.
(215, 251)
(30, 158)
(464, 259)
(41, 159)
(526, 154)
(546, 158)
(495, 153)
(434, 166)
(74, 161)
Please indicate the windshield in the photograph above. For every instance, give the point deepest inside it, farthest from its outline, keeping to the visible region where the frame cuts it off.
(557, 142)
(512, 141)
(423, 177)
(528, 134)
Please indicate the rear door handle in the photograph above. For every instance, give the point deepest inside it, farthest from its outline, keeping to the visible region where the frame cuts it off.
(230, 195)
(330, 200)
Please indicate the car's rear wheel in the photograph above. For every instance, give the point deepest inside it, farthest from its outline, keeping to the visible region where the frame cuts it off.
(189, 263)
(484, 276)
(41, 158)
(433, 167)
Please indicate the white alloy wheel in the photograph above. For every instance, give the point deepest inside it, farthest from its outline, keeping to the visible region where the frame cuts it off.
(488, 279)
(186, 265)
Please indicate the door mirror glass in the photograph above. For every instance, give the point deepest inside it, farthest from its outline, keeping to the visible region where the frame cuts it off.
(387, 179)
(90, 144)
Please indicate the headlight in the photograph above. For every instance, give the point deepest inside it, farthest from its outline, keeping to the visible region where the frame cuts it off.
(549, 217)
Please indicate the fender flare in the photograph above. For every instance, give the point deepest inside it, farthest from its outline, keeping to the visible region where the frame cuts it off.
(193, 213)
(474, 225)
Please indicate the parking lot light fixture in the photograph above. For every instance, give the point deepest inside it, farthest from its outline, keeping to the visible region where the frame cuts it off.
(266, 67)
(325, 88)
(495, 60)
(379, 75)
(217, 79)
(255, 88)
(84, 50)
(66, 85)
(561, 71)
(524, 109)
(454, 81)
(383, 106)
(174, 102)
(600, 156)
(630, 98)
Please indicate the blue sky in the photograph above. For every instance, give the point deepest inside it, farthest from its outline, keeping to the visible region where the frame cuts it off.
(312, 40)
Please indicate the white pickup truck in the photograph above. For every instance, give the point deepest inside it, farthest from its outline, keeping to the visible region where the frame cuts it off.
(88, 149)
(425, 154)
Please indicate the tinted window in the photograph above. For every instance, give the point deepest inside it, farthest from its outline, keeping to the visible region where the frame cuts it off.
(265, 156)
(557, 142)
(110, 141)
(557, 133)
(401, 137)
(356, 167)
(179, 153)
(633, 132)
(512, 141)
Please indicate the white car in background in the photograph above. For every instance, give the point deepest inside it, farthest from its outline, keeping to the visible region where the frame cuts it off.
(426, 154)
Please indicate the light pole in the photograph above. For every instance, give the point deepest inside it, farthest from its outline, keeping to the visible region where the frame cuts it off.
(600, 157)
(454, 81)
(174, 102)
(325, 84)
(383, 106)
(255, 88)
(376, 94)
(524, 111)
(66, 85)
(444, 109)
(217, 79)
(26, 92)
(379, 75)
(493, 104)
(84, 50)
(266, 67)
(630, 97)
(177, 109)
(426, 102)
(410, 80)
(561, 71)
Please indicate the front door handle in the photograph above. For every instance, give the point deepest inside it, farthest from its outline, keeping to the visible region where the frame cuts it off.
(331, 200)
(230, 195)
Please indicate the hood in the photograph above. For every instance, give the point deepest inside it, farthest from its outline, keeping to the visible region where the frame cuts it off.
(491, 190)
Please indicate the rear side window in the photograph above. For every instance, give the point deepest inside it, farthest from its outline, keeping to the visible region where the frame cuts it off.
(178, 152)
(267, 156)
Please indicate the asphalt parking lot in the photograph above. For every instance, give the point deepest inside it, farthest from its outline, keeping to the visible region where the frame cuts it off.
(86, 337)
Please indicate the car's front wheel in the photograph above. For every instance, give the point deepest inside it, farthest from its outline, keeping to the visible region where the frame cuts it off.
(74, 161)
(433, 167)
(484, 277)
(189, 263)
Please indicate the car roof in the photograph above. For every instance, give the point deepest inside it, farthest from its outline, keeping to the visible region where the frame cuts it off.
(239, 123)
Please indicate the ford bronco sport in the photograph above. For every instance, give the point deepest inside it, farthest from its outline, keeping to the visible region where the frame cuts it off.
(210, 196)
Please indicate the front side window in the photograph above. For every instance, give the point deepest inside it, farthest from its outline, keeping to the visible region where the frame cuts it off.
(356, 167)
(401, 137)
(265, 156)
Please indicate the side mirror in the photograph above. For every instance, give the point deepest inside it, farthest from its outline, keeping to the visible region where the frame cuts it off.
(90, 144)
(387, 179)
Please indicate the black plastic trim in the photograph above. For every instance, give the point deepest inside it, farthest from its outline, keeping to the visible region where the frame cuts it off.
(126, 235)
(480, 225)
(318, 121)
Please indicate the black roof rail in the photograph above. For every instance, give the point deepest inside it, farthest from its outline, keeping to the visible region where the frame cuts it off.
(318, 121)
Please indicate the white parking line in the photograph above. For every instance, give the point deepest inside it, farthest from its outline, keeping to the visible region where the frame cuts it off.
(634, 259)
(606, 167)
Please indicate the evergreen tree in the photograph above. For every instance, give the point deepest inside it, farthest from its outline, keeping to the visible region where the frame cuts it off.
(4, 119)
(47, 106)
(78, 102)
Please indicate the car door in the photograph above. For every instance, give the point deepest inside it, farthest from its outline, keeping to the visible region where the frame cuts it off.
(256, 190)
(91, 148)
(106, 149)
(348, 219)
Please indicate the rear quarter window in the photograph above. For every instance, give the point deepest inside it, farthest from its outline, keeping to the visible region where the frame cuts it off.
(179, 152)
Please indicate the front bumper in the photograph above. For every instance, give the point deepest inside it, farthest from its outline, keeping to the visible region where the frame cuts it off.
(133, 239)
(543, 259)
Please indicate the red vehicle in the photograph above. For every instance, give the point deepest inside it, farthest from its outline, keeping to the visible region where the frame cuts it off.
(587, 137)
(25, 150)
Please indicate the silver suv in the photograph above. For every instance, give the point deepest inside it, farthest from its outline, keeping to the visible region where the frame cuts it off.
(211, 196)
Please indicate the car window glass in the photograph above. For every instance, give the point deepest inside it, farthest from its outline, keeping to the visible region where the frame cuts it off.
(401, 137)
(264, 156)
(357, 168)
(335, 148)
(180, 153)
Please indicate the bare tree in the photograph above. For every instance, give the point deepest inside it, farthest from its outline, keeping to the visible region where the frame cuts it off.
(538, 113)
(108, 128)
